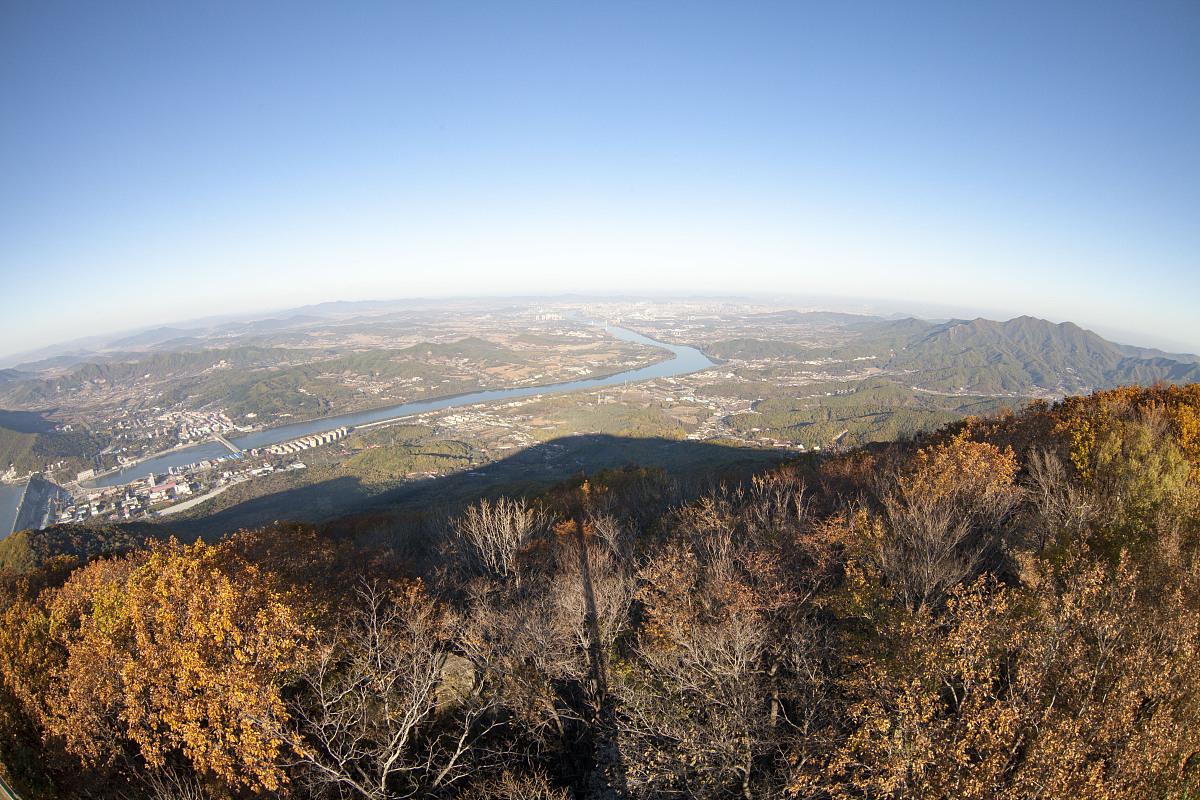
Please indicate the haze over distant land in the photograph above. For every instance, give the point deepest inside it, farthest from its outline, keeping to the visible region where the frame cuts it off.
(536, 400)
(118, 339)
(386, 391)
(1030, 158)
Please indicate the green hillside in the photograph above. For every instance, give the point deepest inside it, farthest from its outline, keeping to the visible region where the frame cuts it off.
(29, 450)
(1021, 356)
(1024, 353)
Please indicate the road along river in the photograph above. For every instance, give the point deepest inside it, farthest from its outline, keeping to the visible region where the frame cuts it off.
(684, 360)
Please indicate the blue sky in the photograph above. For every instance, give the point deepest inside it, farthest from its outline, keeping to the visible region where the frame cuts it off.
(167, 160)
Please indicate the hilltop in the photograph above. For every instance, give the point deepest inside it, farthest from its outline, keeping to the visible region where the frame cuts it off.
(1021, 356)
(1018, 592)
(1029, 353)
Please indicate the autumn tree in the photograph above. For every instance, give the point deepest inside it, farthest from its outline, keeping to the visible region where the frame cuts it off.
(694, 705)
(89, 620)
(1058, 509)
(1062, 688)
(491, 534)
(724, 671)
(174, 653)
(30, 760)
(514, 786)
(1138, 474)
(542, 648)
(942, 511)
(385, 709)
(215, 640)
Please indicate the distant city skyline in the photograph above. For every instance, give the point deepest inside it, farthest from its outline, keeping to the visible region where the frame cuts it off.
(168, 161)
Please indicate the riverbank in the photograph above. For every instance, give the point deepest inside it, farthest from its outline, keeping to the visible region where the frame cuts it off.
(135, 462)
(10, 502)
(195, 501)
(152, 460)
(683, 360)
(39, 504)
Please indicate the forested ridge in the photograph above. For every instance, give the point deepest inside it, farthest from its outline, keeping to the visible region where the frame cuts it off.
(983, 356)
(1006, 608)
(30, 450)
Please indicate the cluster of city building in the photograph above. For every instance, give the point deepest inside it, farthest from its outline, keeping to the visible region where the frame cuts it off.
(192, 481)
(135, 433)
(158, 493)
(198, 425)
(181, 425)
(129, 501)
(306, 442)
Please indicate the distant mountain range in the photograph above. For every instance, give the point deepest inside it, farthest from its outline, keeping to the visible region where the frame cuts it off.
(1024, 355)
(981, 356)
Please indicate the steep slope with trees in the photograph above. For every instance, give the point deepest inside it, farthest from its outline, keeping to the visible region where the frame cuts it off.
(1007, 608)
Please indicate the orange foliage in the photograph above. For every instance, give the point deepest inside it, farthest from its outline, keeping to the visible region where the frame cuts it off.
(215, 641)
(179, 649)
(940, 471)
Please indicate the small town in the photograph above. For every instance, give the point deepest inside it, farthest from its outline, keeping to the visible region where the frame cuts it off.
(184, 487)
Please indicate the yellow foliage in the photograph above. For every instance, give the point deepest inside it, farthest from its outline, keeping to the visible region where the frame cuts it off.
(183, 649)
(941, 470)
(214, 643)
(1082, 420)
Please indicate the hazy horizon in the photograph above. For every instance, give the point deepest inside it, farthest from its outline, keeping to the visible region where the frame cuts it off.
(169, 162)
(848, 305)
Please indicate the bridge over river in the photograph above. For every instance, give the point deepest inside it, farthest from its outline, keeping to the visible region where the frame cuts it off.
(683, 360)
(233, 448)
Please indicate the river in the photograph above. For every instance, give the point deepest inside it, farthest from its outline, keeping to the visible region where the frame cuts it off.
(684, 360)
(10, 502)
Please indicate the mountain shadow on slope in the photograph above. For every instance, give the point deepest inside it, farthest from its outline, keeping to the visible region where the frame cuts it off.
(695, 465)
